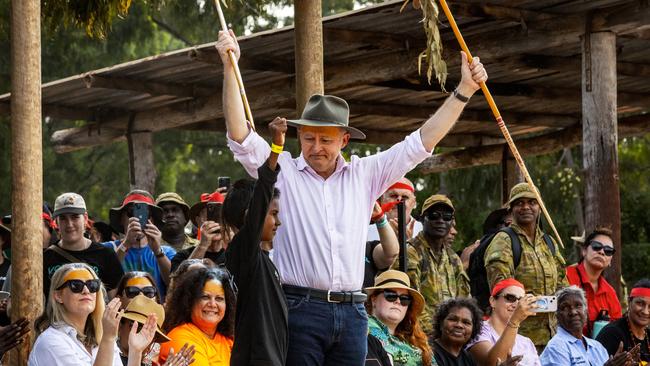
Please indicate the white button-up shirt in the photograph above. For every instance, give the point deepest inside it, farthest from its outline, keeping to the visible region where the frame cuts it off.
(321, 241)
(60, 347)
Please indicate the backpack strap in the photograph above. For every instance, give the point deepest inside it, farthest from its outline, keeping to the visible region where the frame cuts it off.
(515, 245)
(69, 257)
(549, 243)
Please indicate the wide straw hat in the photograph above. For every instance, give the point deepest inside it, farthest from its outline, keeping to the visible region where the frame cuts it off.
(135, 196)
(140, 308)
(392, 279)
(327, 111)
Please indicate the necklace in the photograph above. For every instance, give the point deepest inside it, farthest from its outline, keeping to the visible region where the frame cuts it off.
(643, 341)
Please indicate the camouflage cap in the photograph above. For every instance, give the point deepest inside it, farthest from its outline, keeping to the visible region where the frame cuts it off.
(173, 197)
(520, 190)
(436, 199)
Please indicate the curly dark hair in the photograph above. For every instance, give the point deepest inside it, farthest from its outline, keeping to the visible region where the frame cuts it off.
(461, 302)
(189, 289)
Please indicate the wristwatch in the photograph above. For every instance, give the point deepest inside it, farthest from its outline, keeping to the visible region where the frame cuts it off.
(160, 253)
(460, 97)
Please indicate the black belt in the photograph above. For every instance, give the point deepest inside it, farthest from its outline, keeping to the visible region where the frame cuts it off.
(329, 296)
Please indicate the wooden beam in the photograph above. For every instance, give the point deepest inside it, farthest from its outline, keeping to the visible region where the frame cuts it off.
(600, 143)
(573, 64)
(145, 87)
(209, 56)
(142, 170)
(510, 173)
(308, 36)
(385, 40)
(532, 146)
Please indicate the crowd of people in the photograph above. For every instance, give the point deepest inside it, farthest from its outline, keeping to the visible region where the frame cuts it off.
(276, 271)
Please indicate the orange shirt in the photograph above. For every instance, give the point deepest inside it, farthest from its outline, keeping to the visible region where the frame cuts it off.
(215, 351)
(605, 298)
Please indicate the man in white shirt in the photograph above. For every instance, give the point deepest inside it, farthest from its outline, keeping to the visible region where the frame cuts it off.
(326, 205)
(403, 190)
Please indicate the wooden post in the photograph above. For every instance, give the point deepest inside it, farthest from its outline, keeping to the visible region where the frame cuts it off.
(599, 142)
(27, 168)
(142, 170)
(510, 173)
(309, 51)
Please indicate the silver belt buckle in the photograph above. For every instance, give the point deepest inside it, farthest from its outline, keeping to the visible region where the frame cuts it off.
(329, 299)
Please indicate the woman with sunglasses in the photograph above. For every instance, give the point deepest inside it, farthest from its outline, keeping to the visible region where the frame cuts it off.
(394, 308)
(509, 306)
(134, 283)
(76, 328)
(201, 312)
(632, 330)
(596, 253)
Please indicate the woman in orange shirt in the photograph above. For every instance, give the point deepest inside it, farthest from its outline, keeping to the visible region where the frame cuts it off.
(201, 312)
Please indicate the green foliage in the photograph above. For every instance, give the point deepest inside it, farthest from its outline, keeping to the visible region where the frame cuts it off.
(95, 17)
(635, 261)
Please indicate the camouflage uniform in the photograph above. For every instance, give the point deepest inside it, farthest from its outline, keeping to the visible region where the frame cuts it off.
(539, 271)
(438, 276)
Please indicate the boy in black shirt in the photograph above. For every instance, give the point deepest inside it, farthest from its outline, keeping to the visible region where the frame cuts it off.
(261, 323)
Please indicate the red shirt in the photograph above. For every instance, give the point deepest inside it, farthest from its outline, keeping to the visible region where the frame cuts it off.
(605, 298)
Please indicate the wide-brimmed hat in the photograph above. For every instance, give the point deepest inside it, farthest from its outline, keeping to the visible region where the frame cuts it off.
(520, 190)
(135, 196)
(436, 199)
(397, 279)
(140, 308)
(69, 203)
(214, 197)
(172, 197)
(327, 111)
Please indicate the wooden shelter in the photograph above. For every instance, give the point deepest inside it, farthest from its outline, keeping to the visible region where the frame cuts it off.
(552, 64)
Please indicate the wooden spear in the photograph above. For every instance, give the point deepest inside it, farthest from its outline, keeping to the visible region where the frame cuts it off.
(501, 123)
(233, 61)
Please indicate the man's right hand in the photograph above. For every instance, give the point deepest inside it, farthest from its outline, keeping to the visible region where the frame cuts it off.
(227, 42)
(278, 128)
(133, 233)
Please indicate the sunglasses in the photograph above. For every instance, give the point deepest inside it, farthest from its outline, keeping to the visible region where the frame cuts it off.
(77, 286)
(437, 215)
(597, 246)
(510, 298)
(133, 291)
(392, 296)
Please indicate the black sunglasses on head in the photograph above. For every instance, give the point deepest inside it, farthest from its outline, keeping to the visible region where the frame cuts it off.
(510, 298)
(77, 286)
(392, 296)
(597, 246)
(133, 291)
(436, 215)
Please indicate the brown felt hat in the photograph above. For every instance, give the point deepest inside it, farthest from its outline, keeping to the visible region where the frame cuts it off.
(140, 308)
(327, 111)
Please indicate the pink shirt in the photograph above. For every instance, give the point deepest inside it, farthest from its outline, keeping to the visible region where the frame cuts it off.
(321, 241)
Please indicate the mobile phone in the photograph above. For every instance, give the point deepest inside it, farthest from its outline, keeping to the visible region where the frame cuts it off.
(141, 211)
(214, 211)
(223, 182)
(4, 295)
(545, 304)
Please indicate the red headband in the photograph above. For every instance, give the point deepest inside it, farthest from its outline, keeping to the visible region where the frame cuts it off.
(506, 283)
(400, 185)
(212, 197)
(137, 197)
(640, 292)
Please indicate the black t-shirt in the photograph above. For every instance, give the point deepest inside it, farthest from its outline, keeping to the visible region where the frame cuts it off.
(445, 358)
(615, 332)
(370, 268)
(101, 259)
(261, 323)
(219, 258)
(4, 267)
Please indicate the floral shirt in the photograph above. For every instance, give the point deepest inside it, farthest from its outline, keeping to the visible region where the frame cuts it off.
(402, 353)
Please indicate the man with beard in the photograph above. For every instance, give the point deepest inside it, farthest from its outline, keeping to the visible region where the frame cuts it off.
(433, 267)
(541, 267)
(175, 217)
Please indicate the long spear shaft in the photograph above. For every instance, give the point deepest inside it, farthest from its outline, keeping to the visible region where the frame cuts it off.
(501, 123)
(233, 61)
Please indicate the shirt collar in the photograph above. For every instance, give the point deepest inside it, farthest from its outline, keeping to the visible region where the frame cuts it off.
(585, 279)
(570, 338)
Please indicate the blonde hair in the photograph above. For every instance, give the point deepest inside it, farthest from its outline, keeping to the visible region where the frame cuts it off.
(55, 314)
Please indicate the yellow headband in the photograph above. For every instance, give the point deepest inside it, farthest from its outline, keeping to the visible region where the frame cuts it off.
(213, 287)
(138, 281)
(78, 274)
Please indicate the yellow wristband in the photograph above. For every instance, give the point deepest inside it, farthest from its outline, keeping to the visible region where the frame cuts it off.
(277, 148)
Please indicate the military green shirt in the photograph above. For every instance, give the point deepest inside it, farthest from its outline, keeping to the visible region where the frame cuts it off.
(438, 276)
(539, 271)
(189, 242)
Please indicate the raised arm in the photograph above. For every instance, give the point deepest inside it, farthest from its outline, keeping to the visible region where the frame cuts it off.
(436, 127)
(233, 107)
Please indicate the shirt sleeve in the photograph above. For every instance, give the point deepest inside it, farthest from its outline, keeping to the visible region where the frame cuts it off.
(244, 249)
(251, 153)
(169, 252)
(52, 350)
(498, 259)
(180, 336)
(554, 355)
(381, 168)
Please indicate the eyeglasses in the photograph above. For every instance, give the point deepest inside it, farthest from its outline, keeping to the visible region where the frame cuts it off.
(392, 296)
(133, 291)
(598, 246)
(77, 286)
(510, 298)
(436, 215)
